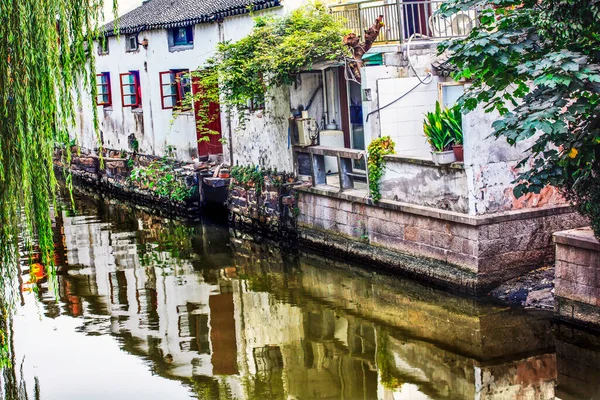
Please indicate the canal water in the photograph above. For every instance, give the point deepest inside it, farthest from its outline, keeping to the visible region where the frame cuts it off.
(143, 307)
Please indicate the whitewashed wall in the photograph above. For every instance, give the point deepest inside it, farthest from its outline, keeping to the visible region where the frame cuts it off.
(155, 128)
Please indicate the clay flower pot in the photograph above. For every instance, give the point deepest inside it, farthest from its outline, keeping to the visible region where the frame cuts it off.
(458, 152)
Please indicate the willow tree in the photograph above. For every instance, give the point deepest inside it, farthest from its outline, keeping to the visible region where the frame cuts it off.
(44, 56)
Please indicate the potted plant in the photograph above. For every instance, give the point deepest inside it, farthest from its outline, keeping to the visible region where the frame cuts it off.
(438, 136)
(452, 117)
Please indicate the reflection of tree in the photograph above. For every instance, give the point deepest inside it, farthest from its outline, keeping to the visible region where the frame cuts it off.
(13, 385)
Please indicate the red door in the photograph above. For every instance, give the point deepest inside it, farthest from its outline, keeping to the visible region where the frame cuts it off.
(213, 145)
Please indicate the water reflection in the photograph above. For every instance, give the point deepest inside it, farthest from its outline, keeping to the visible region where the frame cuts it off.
(148, 308)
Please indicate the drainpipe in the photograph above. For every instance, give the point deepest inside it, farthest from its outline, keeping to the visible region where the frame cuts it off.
(325, 111)
(228, 112)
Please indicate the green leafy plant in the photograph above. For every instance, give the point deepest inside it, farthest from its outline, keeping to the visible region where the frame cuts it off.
(378, 148)
(437, 129)
(44, 59)
(537, 64)
(251, 175)
(277, 49)
(452, 119)
(159, 178)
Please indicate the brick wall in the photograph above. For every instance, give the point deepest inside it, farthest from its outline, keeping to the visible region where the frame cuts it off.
(577, 280)
(474, 253)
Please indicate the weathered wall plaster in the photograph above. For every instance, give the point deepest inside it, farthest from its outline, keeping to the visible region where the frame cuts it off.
(491, 169)
(424, 183)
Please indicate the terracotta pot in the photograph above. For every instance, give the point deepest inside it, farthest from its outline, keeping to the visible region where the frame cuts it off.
(443, 157)
(458, 152)
(224, 175)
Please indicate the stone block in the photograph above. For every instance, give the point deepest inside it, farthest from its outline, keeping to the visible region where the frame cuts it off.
(441, 240)
(585, 275)
(411, 233)
(579, 256)
(565, 271)
(385, 227)
(564, 288)
(562, 252)
(464, 231)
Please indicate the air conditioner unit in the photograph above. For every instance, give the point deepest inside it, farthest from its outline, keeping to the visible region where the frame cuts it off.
(308, 131)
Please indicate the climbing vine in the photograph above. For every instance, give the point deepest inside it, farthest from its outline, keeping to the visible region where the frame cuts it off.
(43, 57)
(277, 49)
(377, 149)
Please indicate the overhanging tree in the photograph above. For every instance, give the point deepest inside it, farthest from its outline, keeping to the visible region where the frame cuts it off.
(43, 56)
(538, 64)
(276, 50)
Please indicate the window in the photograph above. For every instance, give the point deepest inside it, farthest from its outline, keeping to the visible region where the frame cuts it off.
(103, 46)
(132, 43)
(181, 37)
(131, 94)
(175, 85)
(103, 94)
(257, 103)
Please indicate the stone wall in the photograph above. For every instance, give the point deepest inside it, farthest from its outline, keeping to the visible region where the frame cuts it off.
(85, 170)
(577, 282)
(270, 209)
(472, 253)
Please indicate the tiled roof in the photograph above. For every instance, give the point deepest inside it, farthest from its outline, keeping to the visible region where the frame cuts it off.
(157, 14)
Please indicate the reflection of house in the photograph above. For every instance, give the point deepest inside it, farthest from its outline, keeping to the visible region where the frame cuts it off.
(294, 329)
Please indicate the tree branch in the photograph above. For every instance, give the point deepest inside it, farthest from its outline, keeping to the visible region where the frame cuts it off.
(359, 49)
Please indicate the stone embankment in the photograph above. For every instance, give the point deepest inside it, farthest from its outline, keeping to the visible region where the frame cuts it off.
(173, 187)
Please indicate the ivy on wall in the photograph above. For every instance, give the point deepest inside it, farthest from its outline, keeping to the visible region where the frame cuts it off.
(277, 49)
(378, 148)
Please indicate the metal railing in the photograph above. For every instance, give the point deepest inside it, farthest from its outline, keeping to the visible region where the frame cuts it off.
(402, 19)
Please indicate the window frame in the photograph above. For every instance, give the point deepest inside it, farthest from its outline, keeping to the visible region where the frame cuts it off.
(189, 35)
(175, 79)
(108, 92)
(103, 47)
(137, 90)
(128, 48)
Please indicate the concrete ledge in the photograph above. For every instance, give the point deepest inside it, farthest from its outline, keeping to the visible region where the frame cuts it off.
(422, 161)
(473, 220)
(582, 238)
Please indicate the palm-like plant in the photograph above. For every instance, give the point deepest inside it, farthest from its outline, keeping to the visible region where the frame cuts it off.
(436, 130)
(452, 118)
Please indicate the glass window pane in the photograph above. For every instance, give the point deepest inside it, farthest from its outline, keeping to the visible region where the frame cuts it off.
(169, 90)
(127, 79)
(128, 89)
(166, 78)
(169, 101)
(180, 36)
(130, 100)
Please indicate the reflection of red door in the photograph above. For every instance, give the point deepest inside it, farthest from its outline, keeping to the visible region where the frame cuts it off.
(212, 146)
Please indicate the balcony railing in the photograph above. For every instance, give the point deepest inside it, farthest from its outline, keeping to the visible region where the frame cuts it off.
(402, 19)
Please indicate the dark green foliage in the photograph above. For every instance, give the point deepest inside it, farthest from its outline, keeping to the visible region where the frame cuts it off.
(538, 64)
(160, 178)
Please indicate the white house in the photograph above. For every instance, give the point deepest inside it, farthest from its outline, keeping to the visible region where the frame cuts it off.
(141, 74)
